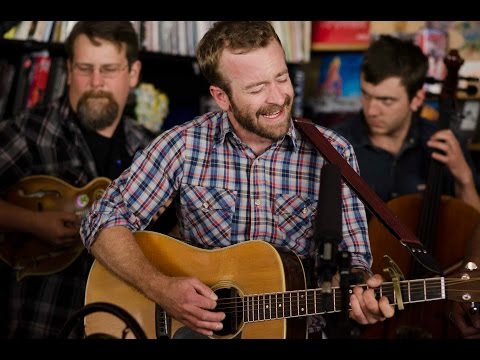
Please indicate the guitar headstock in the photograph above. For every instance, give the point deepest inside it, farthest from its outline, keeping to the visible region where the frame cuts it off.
(464, 286)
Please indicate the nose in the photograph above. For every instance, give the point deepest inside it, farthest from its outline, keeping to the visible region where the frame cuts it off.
(96, 78)
(276, 95)
(370, 106)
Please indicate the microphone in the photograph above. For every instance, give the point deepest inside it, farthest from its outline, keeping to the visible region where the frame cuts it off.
(328, 226)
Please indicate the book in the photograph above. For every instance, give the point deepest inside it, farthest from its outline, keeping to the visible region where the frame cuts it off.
(22, 84)
(297, 74)
(38, 78)
(57, 79)
(7, 72)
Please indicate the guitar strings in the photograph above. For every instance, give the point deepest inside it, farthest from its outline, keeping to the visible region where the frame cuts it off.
(295, 303)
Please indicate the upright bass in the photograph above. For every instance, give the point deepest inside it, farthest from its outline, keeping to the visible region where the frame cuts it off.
(442, 223)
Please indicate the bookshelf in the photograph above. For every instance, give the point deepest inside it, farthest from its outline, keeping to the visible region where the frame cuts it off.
(168, 61)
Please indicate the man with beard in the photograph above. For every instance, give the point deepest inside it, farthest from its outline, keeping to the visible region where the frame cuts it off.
(77, 139)
(241, 173)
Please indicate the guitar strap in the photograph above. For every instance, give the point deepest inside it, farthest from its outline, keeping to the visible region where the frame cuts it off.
(369, 198)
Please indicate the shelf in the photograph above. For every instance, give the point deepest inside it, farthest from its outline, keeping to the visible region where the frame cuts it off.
(474, 147)
(338, 47)
(32, 45)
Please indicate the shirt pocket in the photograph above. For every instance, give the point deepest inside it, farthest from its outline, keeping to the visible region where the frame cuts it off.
(294, 215)
(207, 214)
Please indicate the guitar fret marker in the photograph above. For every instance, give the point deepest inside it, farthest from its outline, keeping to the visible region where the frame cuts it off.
(334, 299)
(425, 290)
(409, 293)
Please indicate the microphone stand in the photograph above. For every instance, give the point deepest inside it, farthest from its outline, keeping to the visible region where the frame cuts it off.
(346, 327)
(327, 267)
(327, 236)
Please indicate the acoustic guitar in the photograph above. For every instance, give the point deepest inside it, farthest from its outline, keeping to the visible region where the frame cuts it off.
(29, 255)
(261, 290)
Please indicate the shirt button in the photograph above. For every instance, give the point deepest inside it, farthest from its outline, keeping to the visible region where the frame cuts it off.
(304, 211)
(205, 206)
(257, 202)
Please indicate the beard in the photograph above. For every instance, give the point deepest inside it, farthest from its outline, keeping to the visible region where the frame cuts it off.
(249, 121)
(97, 109)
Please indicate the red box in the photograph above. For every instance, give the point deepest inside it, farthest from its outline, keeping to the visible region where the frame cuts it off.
(340, 35)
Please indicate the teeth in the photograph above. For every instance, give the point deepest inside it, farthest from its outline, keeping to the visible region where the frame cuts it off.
(272, 114)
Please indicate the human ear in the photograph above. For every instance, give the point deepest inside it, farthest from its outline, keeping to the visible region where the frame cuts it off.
(134, 73)
(220, 97)
(417, 100)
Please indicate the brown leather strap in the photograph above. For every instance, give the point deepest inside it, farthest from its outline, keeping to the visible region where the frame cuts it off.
(369, 198)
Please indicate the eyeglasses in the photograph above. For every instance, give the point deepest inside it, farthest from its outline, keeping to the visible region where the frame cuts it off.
(109, 71)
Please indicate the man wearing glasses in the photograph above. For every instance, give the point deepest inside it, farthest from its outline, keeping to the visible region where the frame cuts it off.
(78, 138)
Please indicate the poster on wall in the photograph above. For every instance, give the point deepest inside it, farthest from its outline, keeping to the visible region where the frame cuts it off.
(338, 85)
(340, 35)
(434, 43)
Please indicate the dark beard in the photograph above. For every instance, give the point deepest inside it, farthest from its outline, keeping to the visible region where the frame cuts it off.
(97, 116)
(246, 121)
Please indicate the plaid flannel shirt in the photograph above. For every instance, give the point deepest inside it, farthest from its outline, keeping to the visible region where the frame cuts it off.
(47, 141)
(227, 194)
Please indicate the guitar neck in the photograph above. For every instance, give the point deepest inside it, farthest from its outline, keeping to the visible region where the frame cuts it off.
(298, 303)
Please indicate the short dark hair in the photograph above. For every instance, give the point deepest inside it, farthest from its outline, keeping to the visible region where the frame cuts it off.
(117, 32)
(389, 56)
(241, 36)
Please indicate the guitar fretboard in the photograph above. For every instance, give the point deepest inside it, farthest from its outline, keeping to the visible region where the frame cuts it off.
(297, 303)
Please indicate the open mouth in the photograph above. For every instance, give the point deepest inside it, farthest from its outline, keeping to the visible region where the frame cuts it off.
(273, 115)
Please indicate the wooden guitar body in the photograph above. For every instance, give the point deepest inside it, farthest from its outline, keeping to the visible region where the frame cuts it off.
(247, 268)
(456, 223)
(261, 290)
(27, 254)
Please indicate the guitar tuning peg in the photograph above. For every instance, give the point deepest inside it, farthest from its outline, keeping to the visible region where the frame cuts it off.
(468, 78)
(470, 90)
(471, 266)
(473, 308)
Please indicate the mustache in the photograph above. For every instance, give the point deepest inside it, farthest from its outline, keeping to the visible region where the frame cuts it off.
(270, 109)
(95, 94)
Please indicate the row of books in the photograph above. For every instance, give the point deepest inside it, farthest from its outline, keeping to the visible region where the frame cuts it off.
(42, 31)
(170, 37)
(296, 38)
(38, 79)
(182, 37)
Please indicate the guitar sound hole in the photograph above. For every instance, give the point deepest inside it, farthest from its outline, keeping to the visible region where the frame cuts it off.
(230, 302)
